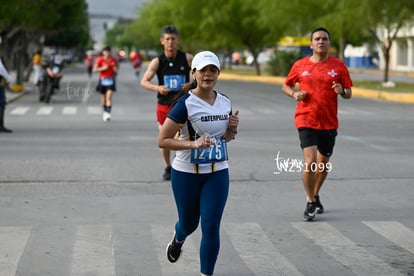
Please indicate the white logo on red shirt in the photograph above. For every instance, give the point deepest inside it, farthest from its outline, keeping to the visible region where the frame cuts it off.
(332, 73)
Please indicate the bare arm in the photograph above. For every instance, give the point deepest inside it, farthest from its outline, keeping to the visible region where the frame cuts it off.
(149, 74)
(291, 92)
(97, 68)
(348, 93)
(345, 93)
(167, 140)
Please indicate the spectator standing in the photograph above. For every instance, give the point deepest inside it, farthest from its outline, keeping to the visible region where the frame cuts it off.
(37, 67)
(5, 79)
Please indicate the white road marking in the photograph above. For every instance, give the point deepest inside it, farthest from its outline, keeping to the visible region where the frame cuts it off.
(93, 252)
(395, 232)
(45, 110)
(20, 110)
(257, 250)
(70, 110)
(12, 244)
(346, 252)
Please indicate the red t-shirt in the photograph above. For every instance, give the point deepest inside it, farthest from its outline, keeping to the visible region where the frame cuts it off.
(89, 61)
(319, 108)
(136, 60)
(111, 62)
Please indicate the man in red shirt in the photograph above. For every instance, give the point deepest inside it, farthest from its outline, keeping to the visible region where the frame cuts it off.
(321, 79)
(89, 63)
(136, 60)
(107, 67)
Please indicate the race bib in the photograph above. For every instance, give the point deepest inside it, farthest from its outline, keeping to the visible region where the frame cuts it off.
(107, 81)
(214, 153)
(174, 82)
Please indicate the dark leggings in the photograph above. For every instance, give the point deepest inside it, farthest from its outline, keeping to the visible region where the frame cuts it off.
(201, 196)
(3, 100)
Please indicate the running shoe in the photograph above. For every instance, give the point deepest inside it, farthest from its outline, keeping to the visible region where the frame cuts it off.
(310, 211)
(173, 251)
(106, 116)
(319, 206)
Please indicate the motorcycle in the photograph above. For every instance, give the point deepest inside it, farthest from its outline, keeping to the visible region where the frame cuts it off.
(51, 80)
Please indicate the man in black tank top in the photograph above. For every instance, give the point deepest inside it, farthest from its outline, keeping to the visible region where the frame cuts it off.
(173, 72)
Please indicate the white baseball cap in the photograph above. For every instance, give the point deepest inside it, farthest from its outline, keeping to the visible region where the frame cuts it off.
(202, 59)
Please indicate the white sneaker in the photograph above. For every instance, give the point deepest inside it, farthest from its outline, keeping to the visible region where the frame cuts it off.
(106, 116)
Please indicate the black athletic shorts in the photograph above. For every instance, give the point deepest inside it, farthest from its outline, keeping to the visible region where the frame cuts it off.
(323, 139)
(104, 88)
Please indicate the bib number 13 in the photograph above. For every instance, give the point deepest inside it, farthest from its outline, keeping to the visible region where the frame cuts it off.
(174, 82)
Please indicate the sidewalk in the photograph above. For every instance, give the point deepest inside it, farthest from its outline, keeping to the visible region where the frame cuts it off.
(12, 96)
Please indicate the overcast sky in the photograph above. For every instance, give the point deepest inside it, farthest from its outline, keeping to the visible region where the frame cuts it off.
(114, 8)
(124, 8)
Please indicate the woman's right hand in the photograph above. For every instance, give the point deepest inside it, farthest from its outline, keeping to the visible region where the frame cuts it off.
(204, 141)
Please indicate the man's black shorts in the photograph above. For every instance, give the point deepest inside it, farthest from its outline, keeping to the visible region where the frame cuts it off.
(323, 139)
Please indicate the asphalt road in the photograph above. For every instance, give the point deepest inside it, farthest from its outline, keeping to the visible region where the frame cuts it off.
(79, 196)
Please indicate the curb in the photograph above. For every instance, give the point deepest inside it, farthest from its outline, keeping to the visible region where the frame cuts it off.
(12, 96)
(357, 92)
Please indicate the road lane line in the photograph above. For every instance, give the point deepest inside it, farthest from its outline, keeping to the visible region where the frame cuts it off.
(187, 265)
(70, 110)
(257, 250)
(93, 252)
(395, 232)
(95, 110)
(44, 110)
(20, 110)
(12, 244)
(346, 252)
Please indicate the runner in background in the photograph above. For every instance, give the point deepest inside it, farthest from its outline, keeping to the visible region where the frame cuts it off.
(107, 67)
(172, 68)
(89, 63)
(136, 60)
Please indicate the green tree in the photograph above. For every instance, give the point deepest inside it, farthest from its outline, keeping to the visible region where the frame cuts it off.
(226, 26)
(70, 28)
(216, 25)
(25, 21)
(117, 35)
(384, 20)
